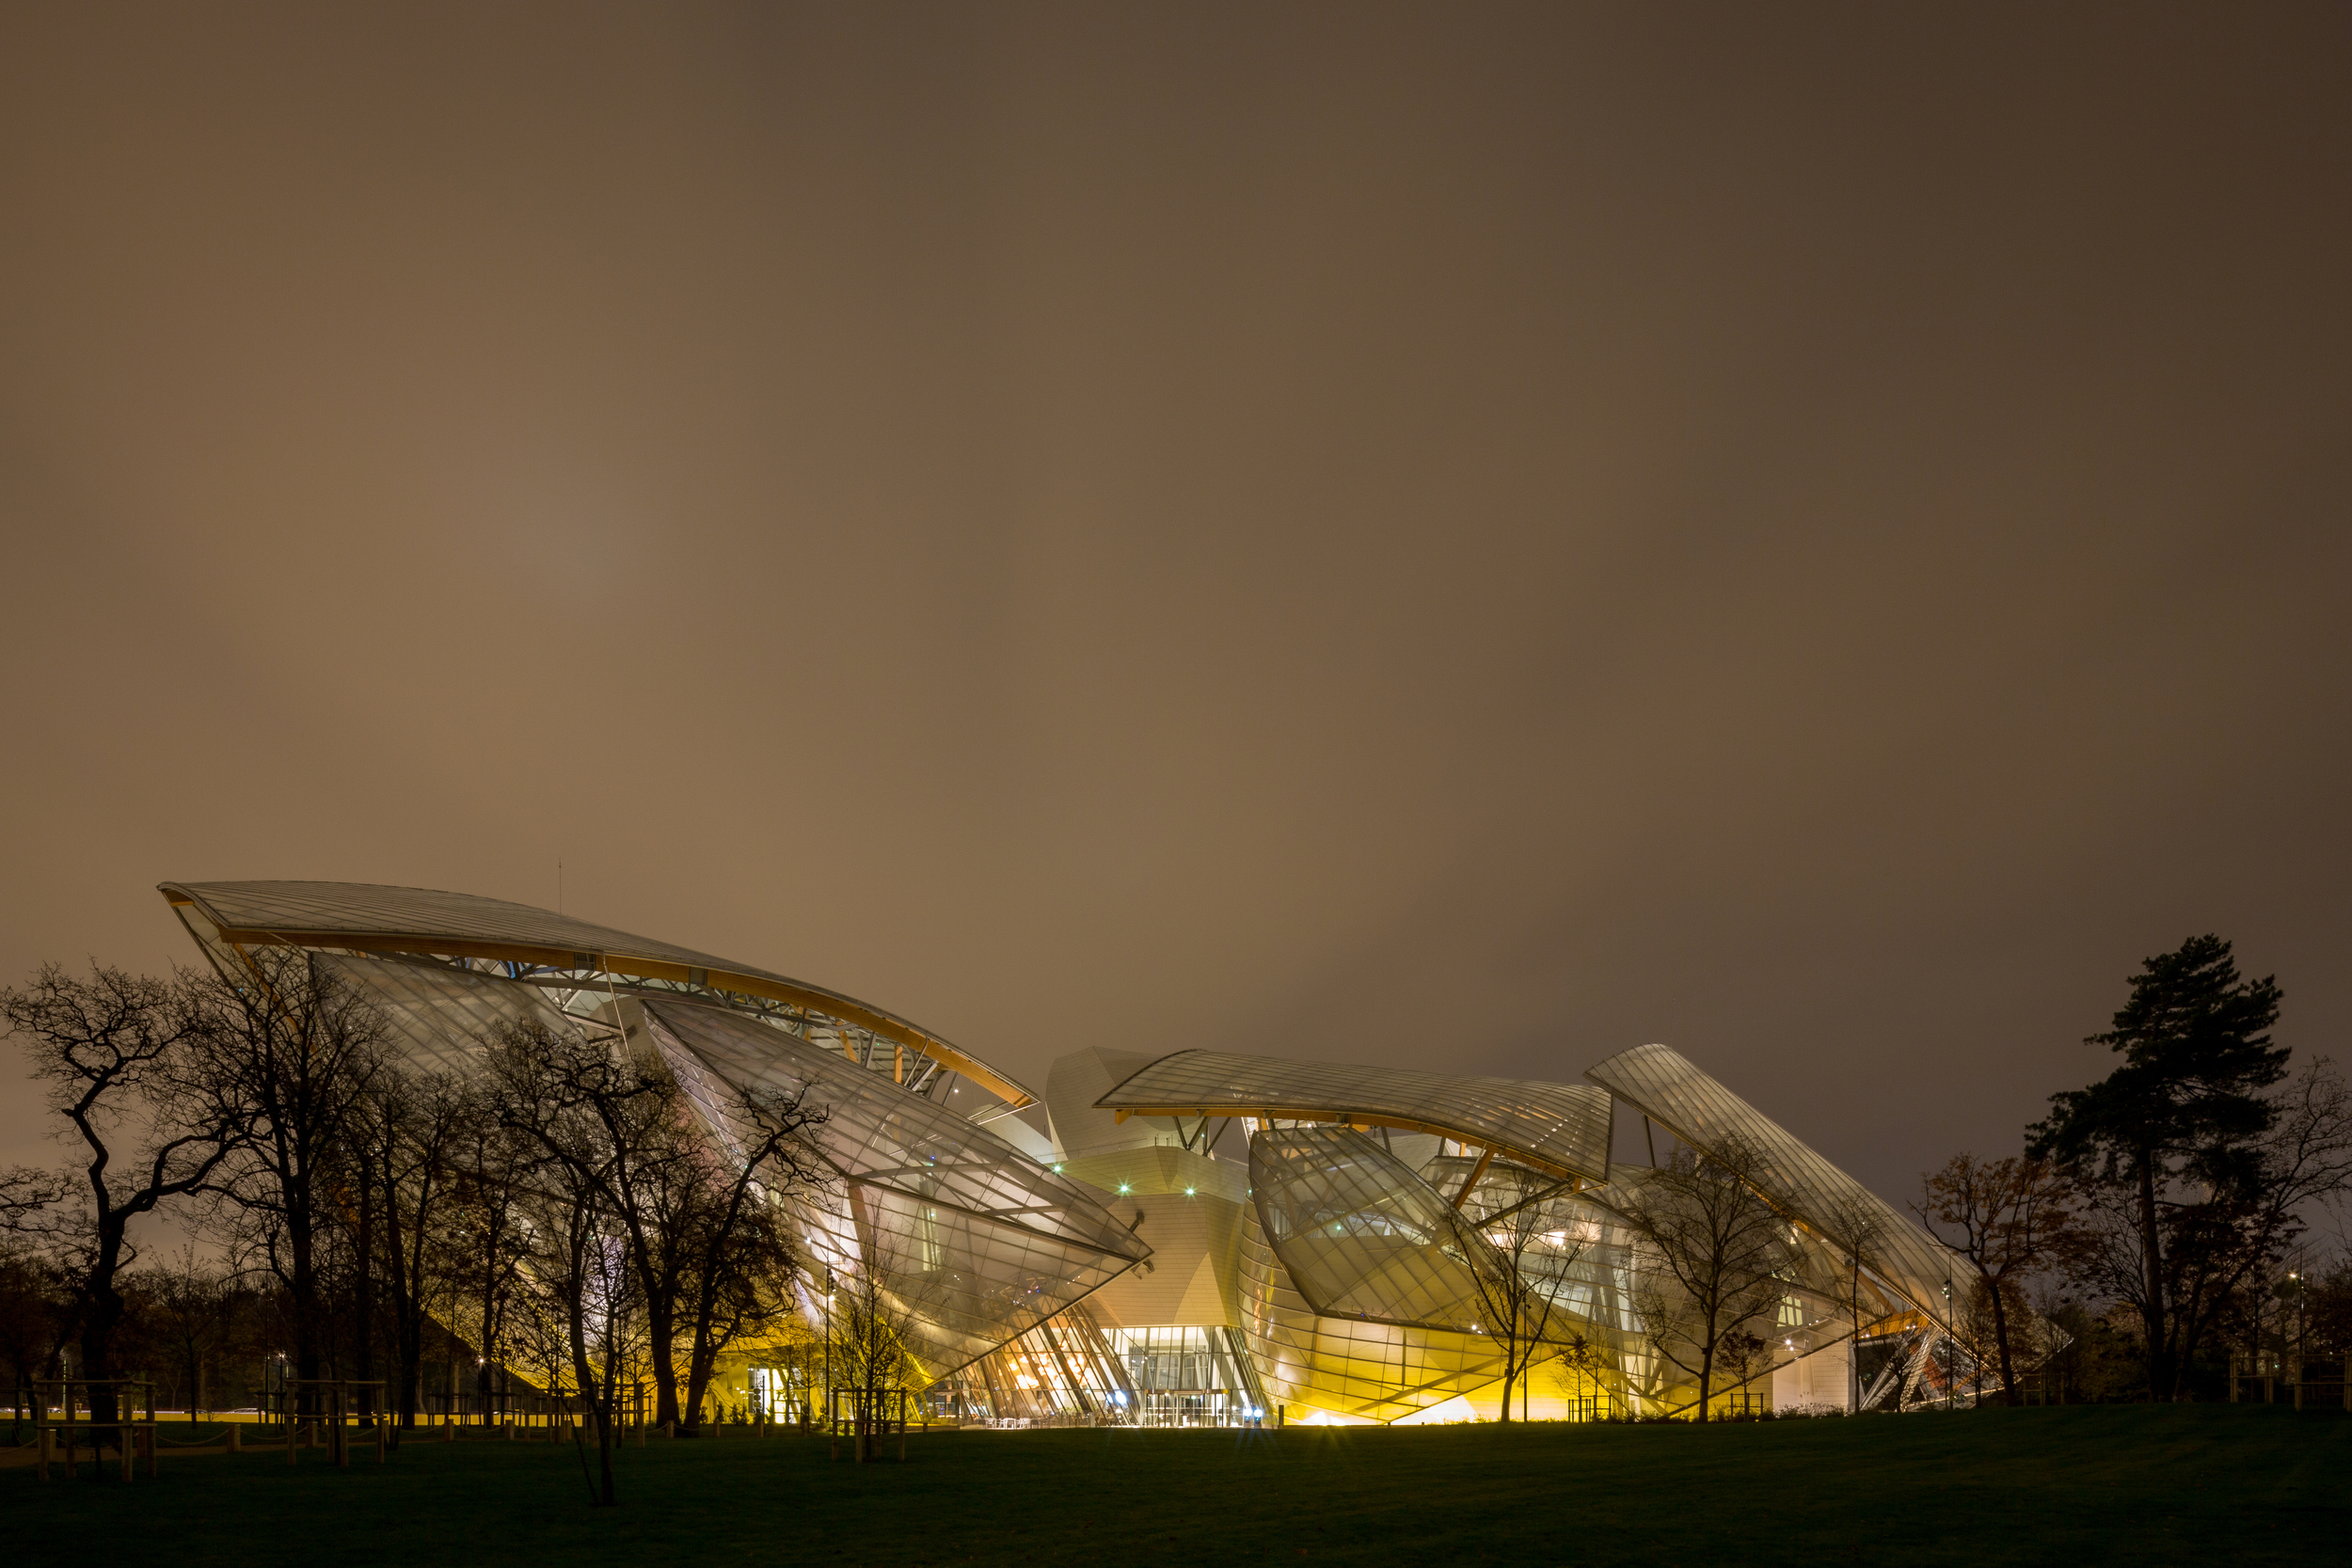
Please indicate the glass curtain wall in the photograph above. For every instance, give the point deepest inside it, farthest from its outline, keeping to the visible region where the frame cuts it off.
(1188, 1377)
(972, 1242)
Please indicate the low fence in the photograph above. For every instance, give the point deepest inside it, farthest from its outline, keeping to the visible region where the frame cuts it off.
(2310, 1394)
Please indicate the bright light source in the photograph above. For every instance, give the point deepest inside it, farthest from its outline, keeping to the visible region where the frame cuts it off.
(1187, 1192)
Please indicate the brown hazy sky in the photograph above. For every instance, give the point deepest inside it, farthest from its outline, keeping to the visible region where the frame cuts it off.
(1449, 536)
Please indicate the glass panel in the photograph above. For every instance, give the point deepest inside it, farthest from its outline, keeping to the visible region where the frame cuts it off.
(1371, 1372)
(363, 910)
(975, 1243)
(1563, 1128)
(1360, 1235)
(440, 1014)
(1663, 1085)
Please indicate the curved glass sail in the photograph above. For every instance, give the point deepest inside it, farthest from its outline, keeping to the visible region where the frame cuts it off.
(1911, 1266)
(440, 1016)
(1362, 1236)
(974, 1243)
(1562, 1129)
(367, 917)
(1361, 1369)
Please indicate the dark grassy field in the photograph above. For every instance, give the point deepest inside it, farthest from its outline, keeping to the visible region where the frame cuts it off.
(2211, 1484)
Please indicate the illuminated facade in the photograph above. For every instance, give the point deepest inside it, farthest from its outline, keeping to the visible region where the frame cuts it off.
(1381, 1205)
(936, 1188)
(1136, 1262)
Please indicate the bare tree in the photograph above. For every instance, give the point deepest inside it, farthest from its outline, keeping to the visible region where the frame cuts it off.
(711, 1261)
(290, 1050)
(2009, 1218)
(36, 1317)
(409, 1131)
(798, 1353)
(1745, 1355)
(1579, 1365)
(580, 1269)
(738, 1289)
(868, 1353)
(1856, 1226)
(188, 1306)
(737, 1255)
(26, 1191)
(114, 1051)
(1531, 1250)
(595, 1127)
(1709, 1256)
(617, 1127)
(482, 1245)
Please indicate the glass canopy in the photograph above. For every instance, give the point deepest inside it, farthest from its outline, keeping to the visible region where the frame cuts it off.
(1562, 1129)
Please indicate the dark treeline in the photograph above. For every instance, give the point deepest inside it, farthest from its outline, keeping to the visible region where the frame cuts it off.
(2167, 1227)
(553, 1219)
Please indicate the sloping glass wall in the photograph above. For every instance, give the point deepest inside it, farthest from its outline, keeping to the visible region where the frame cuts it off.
(974, 1243)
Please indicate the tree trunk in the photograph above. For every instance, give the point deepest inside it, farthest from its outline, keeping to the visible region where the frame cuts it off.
(702, 1364)
(2153, 1308)
(363, 1293)
(411, 1371)
(2000, 1341)
(662, 1327)
(402, 1284)
(490, 1323)
(1853, 1353)
(98, 1331)
(304, 1288)
(609, 1411)
(576, 1330)
(105, 1316)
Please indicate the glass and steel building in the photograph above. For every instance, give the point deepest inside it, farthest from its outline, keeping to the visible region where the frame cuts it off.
(1200, 1238)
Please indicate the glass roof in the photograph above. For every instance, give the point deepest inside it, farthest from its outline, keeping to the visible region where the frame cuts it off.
(1665, 1086)
(358, 909)
(1562, 1129)
(371, 916)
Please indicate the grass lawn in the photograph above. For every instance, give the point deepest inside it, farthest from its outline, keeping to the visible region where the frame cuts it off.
(2208, 1483)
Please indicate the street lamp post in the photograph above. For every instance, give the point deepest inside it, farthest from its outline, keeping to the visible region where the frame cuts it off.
(2295, 1279)
(1951, 1380)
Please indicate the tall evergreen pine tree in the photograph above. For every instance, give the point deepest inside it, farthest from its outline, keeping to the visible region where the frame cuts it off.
(2176, 1124)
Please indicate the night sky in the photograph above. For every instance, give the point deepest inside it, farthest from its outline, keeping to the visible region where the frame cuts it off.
(1453, 536)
